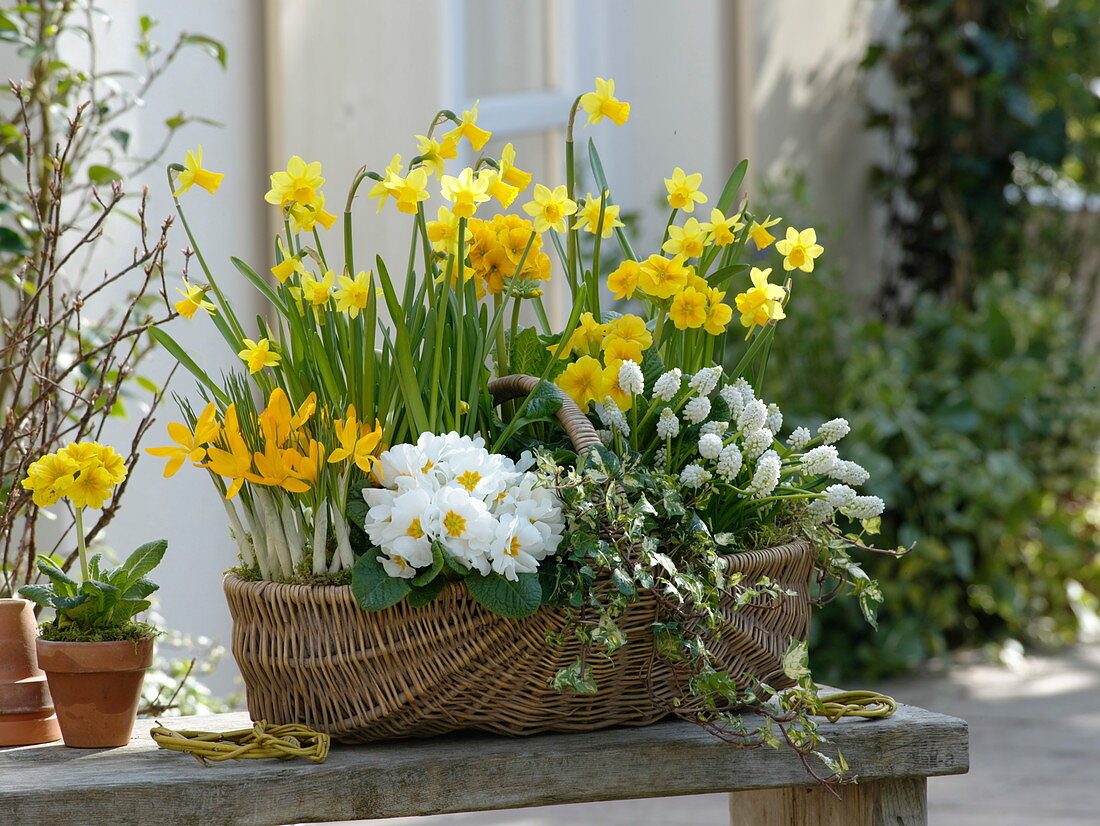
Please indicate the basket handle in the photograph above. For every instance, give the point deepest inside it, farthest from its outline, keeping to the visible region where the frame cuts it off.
(575, 424)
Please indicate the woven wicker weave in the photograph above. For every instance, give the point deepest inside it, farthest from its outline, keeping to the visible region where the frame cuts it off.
(311, 655)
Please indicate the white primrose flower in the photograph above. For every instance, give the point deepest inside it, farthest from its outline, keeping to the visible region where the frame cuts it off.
(819, 460)
(668, 385)
(733, 399)
(463, 525)
(631, 379)
(756, 442)
(395, 525)
(667, 424)
(834, 430)
(819, 510)
(766, 475)
(717, 428)
(849, 473)
(840, 496)
(612, 416)
(397, 566)
(515, 543)
(704, 382)
(799, 438)
(864, 507)
(729, 462)
(710, 445)
(538, 505)
(402, 460)
(482, 474)
(697, 409)
(694, 476)
(753, 416)
(774, 421)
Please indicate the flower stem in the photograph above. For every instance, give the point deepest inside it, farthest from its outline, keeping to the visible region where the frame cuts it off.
(81, 546)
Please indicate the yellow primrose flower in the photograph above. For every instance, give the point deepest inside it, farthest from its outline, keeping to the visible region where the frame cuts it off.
(383, 189)
(289, 265)
(689, 309)
(759, 234)
(718, 313)
(662, 277)
(621, 349)
(720, 230)
(49, 478)
(509, 172)
(194, 298)
(111, 462)
(687, 240)
(623, 400)
(468, 128)
(761, 303)
(602, 103)
(194, 175)
(583, 381)
(799, 249)
(465, 192)
(630, 328)
(299, 184)
(434, 154)
(91, 488)
(589, 216)
(550, 208)
(304, 217)
(188, 444)
(683, 190)
(258, 355)
(497, 188)
(353, 294)
(587, 338)
(317, 292)
(624, 280)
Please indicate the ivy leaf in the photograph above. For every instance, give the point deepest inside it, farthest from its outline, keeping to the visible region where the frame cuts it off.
(373, 587)
(503, 596)
(622, 581)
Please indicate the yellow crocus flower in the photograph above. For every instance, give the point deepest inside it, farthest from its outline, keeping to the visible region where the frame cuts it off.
(275, 469)
(189, 445)
(623, 281)
(193, 299)
(589, 216)
(602, 103)
(354, 293)
(687, 240)
(434, 154)
(683, 190)
(194, 175)
(258, 355)
(468, 128)
(509, 172)
(235, 463)
(662, 277)
(799, 249)
(759, 234)
(466, 191)
(584, 381)
(550, 207)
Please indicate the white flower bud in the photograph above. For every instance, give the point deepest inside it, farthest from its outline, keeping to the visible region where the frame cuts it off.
(697, 409)
(710, 446)
(668, 385)
(631, 379)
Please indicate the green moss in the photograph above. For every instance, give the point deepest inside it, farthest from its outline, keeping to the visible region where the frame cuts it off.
(73, 633)
(302, 576)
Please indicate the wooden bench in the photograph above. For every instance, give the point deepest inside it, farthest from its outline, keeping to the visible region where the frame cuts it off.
(139, 785)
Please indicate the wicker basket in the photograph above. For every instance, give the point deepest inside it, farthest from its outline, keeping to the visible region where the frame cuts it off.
(311, 655)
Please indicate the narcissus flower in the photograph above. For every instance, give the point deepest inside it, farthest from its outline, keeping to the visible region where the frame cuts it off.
(410, 190)
(623, 281)
(305, 217)
(718, 313)
(662, 277)
(761, 303)
(443, 232)
(509, 172)
(353, 295)
(683, 190)
(721, 230)
(194, 298)
(434, 154)
(603, 104)
(383, 189)
(299, 184)
(689, 309)
(589, 216)
(799, 249)
(258, 355)
(194, 175)
(583, 381)
(759, 234)
(499, 189)
(550, 208)
(316, 291)
(687, 240)
(289, 265)
(189, 445)
(468, 128)
(465, 192)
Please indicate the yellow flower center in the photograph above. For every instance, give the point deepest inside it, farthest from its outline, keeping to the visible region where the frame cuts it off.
(552, 213)
(797, 256)
(428, 465)
(454, 524)
(513, 547)
(469, 480)
(414, 530)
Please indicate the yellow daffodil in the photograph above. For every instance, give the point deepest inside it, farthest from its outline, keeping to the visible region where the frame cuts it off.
(316, 291)
(383, 189)
(304, 217)
(761, 303)
(354, 293)
(468, 128)
(584, 381)
(509, 172)
(443, 232)
(630, 328)
(589, 216)
(189, 445)
(759, 234)
(683, 190)
(434, 154)
(288, 266)
(499, 189)
(409, 191)
(603, 104)
(623, 281)
(722, 231)
(689, 309)
(718, 313)
(687, 240)
(799, 249)
(299, 184)
(258, 355)
(550, 208)
(194, 298)
(49, 478)
(194, 175)
(662, 277)
(465, 192)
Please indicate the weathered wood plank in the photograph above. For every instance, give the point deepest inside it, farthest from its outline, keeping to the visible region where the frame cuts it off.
(139, 785)
(897, 802)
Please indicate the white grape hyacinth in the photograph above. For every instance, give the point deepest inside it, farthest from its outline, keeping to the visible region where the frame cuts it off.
(613, 417)
(834, 430)
(668, 426)
(840, 496)
(849, 473)
(710, 445)
(694, 475)
(631, 379)
(756, 442)
(819, 511)
(766, 475)
(697, 409)
(819, 460)
(799, 438)
(729, 462)
(717, 428)
(733, 399)
(864, 507)
(774, 421)
(753, 416)
(668, 385)
(704, 382)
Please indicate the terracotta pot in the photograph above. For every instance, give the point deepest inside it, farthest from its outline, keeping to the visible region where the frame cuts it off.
(96, 688)
(26, 712)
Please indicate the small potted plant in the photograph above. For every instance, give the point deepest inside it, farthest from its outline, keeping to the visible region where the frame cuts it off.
(93, 651)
